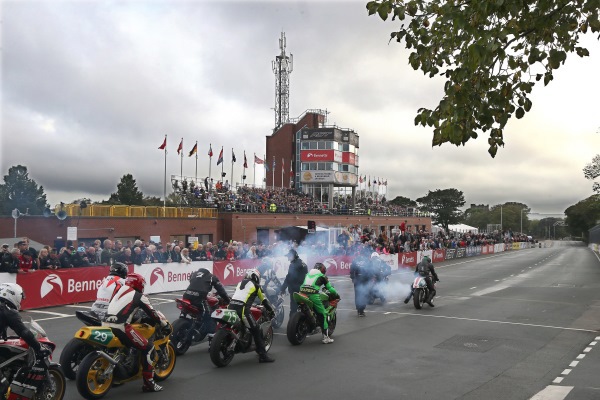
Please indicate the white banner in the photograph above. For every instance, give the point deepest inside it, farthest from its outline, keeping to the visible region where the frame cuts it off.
(170, 277)
(5, 277)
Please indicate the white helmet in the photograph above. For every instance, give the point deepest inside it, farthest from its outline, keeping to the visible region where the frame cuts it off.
(375, 255)
(253, 275)
(12, 293)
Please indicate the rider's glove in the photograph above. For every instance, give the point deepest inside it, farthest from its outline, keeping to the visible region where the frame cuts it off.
(42, 353)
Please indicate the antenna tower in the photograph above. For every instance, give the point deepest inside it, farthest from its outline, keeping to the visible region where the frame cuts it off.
(282, 68)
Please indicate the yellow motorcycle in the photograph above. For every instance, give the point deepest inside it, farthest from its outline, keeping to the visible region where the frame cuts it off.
(114, 363)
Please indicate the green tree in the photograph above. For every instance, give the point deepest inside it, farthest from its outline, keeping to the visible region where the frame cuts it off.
(127, 193)
(444, 205)
(592, 171)
(153, 201)
(403, 202)
(21, 192)
(583, 216)
(491, 54)
(477, 217)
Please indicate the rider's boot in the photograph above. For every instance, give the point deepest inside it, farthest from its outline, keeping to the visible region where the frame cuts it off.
(430, 300)
(149, 384)
(264, 358)
(326, 338)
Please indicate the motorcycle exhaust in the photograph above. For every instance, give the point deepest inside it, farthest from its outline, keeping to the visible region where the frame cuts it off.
(120, 370)
(108, 358)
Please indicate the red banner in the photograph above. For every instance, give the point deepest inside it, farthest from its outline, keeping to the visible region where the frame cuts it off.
(336, 265)
(47, 288)
(438, 255)
(232, 272)
(407, 260)
(317, 155)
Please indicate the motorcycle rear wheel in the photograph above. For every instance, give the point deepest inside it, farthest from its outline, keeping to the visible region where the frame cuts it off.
(54, 388)
(419, 298)
(297, 329)
(72, 355)
(181, 328)
(332, 322)
(220, 354)
(164, 367)
(279, 317)
(90, 382)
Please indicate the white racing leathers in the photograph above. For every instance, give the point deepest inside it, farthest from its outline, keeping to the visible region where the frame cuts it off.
(110, 285)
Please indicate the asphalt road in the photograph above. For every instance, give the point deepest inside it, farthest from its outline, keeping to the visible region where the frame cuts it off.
(516, 325)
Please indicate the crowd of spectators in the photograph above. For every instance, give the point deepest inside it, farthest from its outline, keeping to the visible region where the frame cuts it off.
(353, 240)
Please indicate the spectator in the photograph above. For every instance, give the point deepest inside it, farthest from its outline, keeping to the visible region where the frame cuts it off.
(162, 255)
(221, 253)
(80, 259)
(91, 255)
(107, 256)
(148, 255)
(185, 256)
(137, 256)
(66, 257)
(230, 255)
(11, 262)
(5, 258)
(176, 254)
(47, 261)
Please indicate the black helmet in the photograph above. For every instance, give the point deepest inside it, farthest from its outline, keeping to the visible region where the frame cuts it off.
(119, 269)
(321, 267)
(292, 253)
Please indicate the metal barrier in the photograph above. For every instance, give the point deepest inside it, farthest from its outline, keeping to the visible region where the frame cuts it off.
(101, 210)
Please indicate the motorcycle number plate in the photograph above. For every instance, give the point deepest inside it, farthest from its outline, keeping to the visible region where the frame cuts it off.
(101, 336)
(229, 316)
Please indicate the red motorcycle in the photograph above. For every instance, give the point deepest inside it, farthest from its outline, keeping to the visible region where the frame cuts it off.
(30, 378)
(191, 327)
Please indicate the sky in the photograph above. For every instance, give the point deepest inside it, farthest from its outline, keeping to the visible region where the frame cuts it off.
(90, 88)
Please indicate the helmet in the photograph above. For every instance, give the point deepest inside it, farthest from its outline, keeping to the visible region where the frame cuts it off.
(119, 269)
(292, 253)
(136, 281)
(321, 267)
(253, 275)
(375, 255)
(426, 259)
(12, 294)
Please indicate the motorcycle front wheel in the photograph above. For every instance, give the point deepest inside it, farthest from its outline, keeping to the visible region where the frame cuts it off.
(92, 381)
(54, 387)
(419, 298)
(181, 328)
(72, 355)
(297, 328)
(268, 338)
(166, 363)
(332, 322)
(220, 354)
(279, 316)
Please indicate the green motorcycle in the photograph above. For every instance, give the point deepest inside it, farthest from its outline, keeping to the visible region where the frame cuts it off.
(304, 322)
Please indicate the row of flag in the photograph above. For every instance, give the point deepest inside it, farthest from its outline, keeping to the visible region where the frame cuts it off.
(375, 181)
(194, 150)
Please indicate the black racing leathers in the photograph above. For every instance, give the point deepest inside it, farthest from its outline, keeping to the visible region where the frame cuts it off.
(10, 318)
(201, 283)
(426, 269)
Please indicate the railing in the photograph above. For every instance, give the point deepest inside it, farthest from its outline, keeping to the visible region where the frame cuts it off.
(99, 210)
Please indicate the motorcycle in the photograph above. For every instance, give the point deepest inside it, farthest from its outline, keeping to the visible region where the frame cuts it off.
(191, 327)
(29, 377)
(76, 349)
(233, 337)
(378, 289)
(304, 322)
(115, 363)
(271, 291)
(420, 292)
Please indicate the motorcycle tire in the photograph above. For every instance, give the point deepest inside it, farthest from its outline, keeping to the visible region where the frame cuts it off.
(181, 329)
(297, 329)
(54, 388)
(332, 322)
(279, 317)
(220, 354)
(72, 355)
(90, 384)
(165, 364)
(268, 338)
(418, 298)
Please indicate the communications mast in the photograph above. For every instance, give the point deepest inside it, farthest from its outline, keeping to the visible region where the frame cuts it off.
(282, 68)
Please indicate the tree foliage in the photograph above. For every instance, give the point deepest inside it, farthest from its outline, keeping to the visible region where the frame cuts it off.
(583, 216)
(21, 192)
(508, 215)
(592, 171)
(403, 202)
(491, 54)
(444, 205)
(127, 193)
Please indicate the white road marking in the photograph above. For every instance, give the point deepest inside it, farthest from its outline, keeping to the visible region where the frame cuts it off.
(566, 372)
(581, 356)
(587, 349)
(553, 392)
(474, 287)
(163, 300)
(557, 380)
(77, 306)
(49, 318)
(49, 313)
(593, 343)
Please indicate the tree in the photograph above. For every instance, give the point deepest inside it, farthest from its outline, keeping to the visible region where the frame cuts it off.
(403, 202)
(592, 171)
(444, 205)
(127, 193)
(491, 54)
(21, 192)
(583, 216)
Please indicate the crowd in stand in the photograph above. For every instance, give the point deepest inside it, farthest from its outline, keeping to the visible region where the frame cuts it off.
(22, 258)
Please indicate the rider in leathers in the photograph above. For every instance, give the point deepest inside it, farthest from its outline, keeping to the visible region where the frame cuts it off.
(109, 286)
(313, 284)
(201, 283)
(241, 301)
(426, 270)
(11, 296)
(294, 278)
(120, 314)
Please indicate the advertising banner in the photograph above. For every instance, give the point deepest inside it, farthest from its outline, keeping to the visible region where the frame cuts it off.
(460, 252)
(336, 265)
(320, 155)
(407, 260)
(438, 255)
(45, 288)
(169, 277)
(450, 254)
(232, 272)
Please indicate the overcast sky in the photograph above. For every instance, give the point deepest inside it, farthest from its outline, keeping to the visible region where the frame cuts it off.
(90, 88)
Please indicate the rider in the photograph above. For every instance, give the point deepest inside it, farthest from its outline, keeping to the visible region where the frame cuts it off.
(201, 283)
(314, 282)
(380, 271)
(110, 285)
(426, 270)
(11, 296)
(241, 301)
(296, 273)
(121, 311)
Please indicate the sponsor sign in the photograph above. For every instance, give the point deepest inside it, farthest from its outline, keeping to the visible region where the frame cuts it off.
(336, 265)
(232, 272)
(320, 134)
(450, 254)
(438, 255)
(169, 277)
(484, 249)
(349, 158)
(317, 176)
(45, 288)
(319, 155)
(407, 260)
(460, 252)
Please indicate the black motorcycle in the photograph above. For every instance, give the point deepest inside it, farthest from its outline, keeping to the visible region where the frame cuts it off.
(77, 349)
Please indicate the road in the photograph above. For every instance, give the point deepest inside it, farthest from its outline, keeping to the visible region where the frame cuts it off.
(515, 325)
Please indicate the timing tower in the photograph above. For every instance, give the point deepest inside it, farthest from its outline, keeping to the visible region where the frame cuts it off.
(282, 68)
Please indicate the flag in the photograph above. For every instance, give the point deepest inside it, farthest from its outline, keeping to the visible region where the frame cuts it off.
(360, 179)
(194, 150)
(220, 159)
(233, 156)
(282, 163)
(258, 160)
(180, 146)
(210, 154)
(385, 183)
(291, 172)
(162, 146)
(245, 161)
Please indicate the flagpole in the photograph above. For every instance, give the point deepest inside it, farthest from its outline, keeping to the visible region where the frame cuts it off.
(181, 161)
(196, 176)
(265, 168)
(244, 169)
(232, 166)
(222, 165)
(165, 181)
(254, 182)
(282, 173)
(209, 161)
(273, 172)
